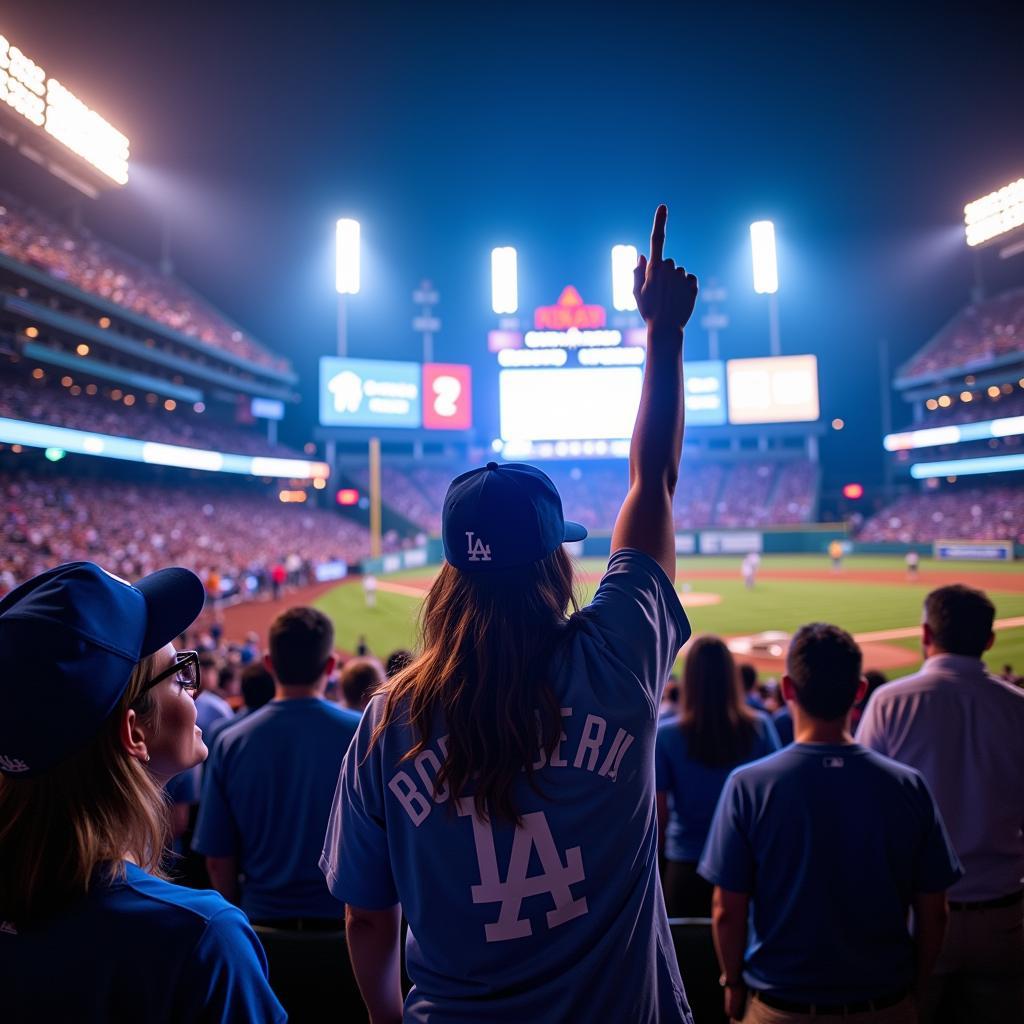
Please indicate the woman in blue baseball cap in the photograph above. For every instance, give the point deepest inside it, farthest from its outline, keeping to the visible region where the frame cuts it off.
(97, 714)
(500, 790)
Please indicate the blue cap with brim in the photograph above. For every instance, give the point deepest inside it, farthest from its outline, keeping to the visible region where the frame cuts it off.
(69, 640)
(503, 516)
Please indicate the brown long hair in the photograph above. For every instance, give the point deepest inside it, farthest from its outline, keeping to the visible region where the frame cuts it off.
(719, 726)
(486, 643)
(86, 813)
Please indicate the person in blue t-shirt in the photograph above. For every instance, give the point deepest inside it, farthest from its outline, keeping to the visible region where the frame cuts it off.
(98, 715)
(269, 784)
(818, 853)
(500, 790)
(258, 688)
(783, 722)
(714, 732)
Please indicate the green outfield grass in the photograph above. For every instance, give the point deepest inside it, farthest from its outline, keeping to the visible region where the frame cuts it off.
(856, 604)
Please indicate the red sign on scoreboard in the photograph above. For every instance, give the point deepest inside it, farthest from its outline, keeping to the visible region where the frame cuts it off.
(447, 397)
(570, 311)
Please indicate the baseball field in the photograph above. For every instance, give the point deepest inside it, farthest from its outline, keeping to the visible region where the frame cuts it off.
(870, 596)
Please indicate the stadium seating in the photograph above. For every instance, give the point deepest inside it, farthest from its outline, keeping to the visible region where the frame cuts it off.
(94, 266)
(994, 513)
(135, 528)
(976, 336)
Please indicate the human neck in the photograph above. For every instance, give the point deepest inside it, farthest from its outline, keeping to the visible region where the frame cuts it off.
(814, 730)
(283, 692)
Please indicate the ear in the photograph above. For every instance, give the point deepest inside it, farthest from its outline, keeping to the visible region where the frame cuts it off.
(133, 736)
(329, 665)
(991, 641)
(862, 688)
(926, 634)
(269, 666)
(787, 688)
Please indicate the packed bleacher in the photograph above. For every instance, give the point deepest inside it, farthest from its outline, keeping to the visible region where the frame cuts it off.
(41, 397)
(960, 513)
(136, 528)
(979, 334)
(94, 266)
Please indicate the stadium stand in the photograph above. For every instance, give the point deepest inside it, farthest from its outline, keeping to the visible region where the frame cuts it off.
(135, 528)
(994, 513)
(31, 237)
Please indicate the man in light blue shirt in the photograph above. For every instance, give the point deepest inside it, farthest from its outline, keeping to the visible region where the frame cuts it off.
(823, 848)
(963, 729)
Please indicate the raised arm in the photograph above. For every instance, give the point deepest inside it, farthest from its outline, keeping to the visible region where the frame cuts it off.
(665, 295)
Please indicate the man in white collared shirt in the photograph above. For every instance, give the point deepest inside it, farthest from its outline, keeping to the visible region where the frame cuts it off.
(963, 729)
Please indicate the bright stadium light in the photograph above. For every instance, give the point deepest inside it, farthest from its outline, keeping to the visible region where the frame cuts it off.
(504, 280)
(994, 214)
(624, 260)
(766, 271)
(347, 256)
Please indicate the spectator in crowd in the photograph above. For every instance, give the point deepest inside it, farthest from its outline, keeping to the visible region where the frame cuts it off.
(669, 707)
(715, 731)
(358, 681)
(211, 704)
(824, 848)
(397, 660)
(268, 785)
(748, 679)
(98, 715)
(875, 678)
(520, 737)
(962, 729)
(257, 689)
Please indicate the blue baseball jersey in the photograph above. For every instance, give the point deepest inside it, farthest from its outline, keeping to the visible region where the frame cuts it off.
(562, 918)
(831, 843)
(783, 719)
(694, 788)
(267, 793)
(137, 948)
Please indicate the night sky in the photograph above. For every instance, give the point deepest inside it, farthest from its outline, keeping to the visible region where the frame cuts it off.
(447, 129)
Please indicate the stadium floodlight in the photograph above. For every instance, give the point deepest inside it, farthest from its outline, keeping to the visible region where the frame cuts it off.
(995, 214)
(504, 280)
(766, 271)
(347, 256)
(624, 261)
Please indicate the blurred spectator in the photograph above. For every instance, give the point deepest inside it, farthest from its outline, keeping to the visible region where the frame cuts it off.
(257, 690)
(974, 513)
(875, 679)
(694, 753)
(748, 679)
(962, 728)
(397, 660)
(817, 854)
(358, 681)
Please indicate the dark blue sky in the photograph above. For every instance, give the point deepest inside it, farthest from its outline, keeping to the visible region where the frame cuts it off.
(448, 128)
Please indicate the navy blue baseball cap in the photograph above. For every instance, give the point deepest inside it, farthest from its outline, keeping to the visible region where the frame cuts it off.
(503, 516)
(69, 640)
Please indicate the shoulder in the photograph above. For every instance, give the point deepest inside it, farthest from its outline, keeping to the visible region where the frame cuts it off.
(169, 901)
(347, 719)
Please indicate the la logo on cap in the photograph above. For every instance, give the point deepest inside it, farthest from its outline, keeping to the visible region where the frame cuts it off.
(12, 764)
(477, 550)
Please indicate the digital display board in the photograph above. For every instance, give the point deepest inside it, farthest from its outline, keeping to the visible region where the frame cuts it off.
(591, 403)
(390, 393)
(704, 392)
(369, 393)
(447, 397)
(777, 389)
(267, 408)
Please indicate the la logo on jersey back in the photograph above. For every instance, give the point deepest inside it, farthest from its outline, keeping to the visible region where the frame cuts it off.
(477, 550)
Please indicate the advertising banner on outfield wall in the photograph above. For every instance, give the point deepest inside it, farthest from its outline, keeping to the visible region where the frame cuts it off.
(686, 544)
(975, 550)
(733, 542)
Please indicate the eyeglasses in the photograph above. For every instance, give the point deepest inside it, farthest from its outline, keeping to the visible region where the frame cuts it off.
(185, 671)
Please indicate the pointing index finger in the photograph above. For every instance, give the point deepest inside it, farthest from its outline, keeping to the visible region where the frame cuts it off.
(658, 233)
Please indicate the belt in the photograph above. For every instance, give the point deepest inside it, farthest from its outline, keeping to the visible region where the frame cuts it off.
(303, 924)
(830, 1009)
(999, 901)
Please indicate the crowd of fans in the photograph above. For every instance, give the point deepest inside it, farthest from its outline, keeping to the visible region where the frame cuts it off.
(981, 333)
(243, 534)
(961, 513)
(94, 266)
(101, 409)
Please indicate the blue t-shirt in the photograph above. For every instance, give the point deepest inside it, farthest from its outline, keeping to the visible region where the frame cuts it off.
(267, 793)
(218, 725)
(783, 720)
(562, 919)
(211, 708)
(832, 843)
(693, 788)
(137, 949)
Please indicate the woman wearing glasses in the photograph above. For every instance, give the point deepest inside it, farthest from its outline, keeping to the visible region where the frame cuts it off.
(98, 713)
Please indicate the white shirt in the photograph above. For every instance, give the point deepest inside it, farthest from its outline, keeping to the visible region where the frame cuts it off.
(963, 729)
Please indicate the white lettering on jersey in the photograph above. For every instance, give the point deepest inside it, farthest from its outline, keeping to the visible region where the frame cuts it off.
(555, 879)
(423, 758)
(542, 755)
(590, 741)
(477, 550)
(413, 802)
(620, 745)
